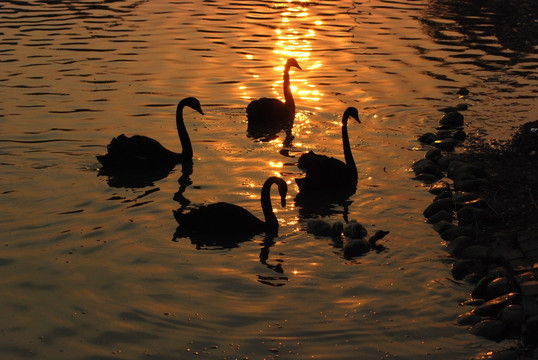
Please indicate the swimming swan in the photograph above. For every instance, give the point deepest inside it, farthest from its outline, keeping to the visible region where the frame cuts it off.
(327, 175)
(229, 219)
(140, 153)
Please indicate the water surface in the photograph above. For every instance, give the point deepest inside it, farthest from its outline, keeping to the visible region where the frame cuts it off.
(88, 267)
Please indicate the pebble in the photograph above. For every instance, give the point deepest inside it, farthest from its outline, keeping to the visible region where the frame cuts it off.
(469, 318)
(491, 307)
(438, 205)
(442, 215)
(452, 233)
(456, 246)
(464, 267)
(499, 286)
(439, 187)
(452, 119)
(490, 329)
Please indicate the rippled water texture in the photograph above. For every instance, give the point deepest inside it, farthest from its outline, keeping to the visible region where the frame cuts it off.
(88, 268)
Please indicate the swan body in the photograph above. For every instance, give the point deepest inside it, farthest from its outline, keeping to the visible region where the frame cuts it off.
(267, 116)
(327, 175)
(229, 219)
(357, 247)
(323, 228)
(141, 153)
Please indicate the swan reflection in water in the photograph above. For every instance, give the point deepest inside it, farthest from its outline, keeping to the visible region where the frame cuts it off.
(327, 179)
(268, 116)
(138, 161)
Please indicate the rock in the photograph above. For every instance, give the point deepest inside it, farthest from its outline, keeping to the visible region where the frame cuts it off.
(470, 183)
(446, 144)
(525, 141)
(444, 161)
(472, 216)
(499, 286)
(439, 187)
(490, 329)
(512, 317)
(473, 278)
(444, 195)
(480, 289)
(425, 166)
(469, 318)
(443, 225)
(459, 136)
(436, 206)
(462, 107)
(473, 302)
(491, 307)
(456, 246)
(426, 178)
(474, 252)
(452, 233)
(462, 91)
(451, 120)
(428, 138)
(461, 268)
(442, 215)
(459, 169)
(433, 154)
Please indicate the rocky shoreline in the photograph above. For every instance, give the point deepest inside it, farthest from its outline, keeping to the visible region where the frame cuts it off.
(485, 208)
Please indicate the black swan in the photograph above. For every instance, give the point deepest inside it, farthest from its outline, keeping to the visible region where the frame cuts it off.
(224, 219)
(140, 153)
(267, 116)
(327, 176)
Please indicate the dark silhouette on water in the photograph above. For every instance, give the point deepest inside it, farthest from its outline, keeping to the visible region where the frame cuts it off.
(224, 224)
(268, 116)
(140, 154)
(327, 177)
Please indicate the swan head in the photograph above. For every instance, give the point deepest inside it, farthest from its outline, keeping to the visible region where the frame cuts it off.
(351, 112)
(283, 191)
(191, 102)
(292, 62)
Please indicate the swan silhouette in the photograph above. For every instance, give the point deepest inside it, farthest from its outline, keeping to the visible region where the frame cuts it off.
(267, 116)
(225, 220)
(327, 176)
(140, 153)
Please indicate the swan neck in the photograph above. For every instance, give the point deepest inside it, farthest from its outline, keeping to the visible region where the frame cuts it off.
(182, 132)
(271, 222)
(290, 103)
(347, 147)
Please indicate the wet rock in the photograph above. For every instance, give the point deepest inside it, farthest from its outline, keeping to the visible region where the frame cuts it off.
(525, 141)
(443, 134)
(436, 206)
(462, 91)
(472, 216)
(462, 268)
(442, 215)
(426, 178)
(508, 354)
(473, 278)
(446, 144)
(480, 289)
(425, 166)
(459, 169)
(452, 233)
(464, 196)
(433, 155)
(452, 120)
(512, 317)
(456, 246)
(443, 225)
(474, 252)
(490, 329)
(473, 302)
(475, 203)
(444, 195)
(428, 138)
(462, 107)
(444, 161)
(470, 183)
(499, 286)
(491, 307)
(469, 318)
(459, 136)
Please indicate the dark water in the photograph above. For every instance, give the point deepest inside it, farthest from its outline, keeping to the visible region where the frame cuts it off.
(88, 268)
